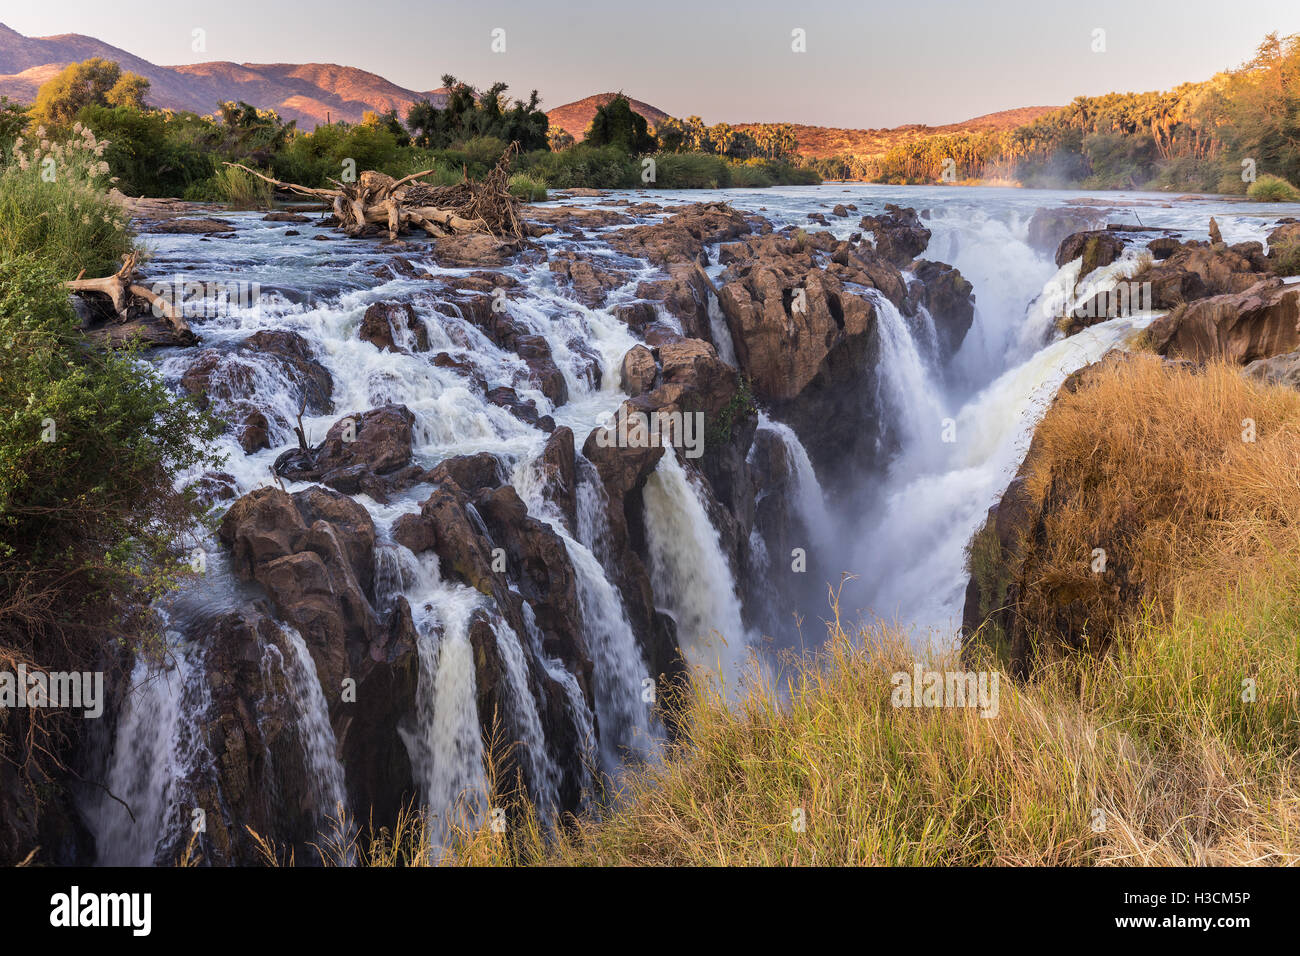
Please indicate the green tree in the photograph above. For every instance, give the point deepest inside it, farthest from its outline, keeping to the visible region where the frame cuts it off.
(88, 83)
(617, 124)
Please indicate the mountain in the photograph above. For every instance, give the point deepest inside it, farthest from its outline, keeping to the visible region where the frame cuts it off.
(575, 117)
(310, 93)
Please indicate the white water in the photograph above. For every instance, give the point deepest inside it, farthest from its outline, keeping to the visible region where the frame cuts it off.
(157, 746)
(905, 542)
(692, 579)
(313, 724)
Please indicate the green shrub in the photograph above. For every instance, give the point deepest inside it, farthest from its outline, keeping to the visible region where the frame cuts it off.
(691, 171)
(52, 207)
(604, 167)
(1270, 188)
(1284, 257)
(242, 190)
(527, 188)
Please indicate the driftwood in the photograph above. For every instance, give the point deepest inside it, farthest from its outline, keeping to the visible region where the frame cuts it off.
(398, 205)
(126, 295)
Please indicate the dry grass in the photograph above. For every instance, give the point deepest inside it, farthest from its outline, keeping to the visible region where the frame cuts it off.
(1187, 478)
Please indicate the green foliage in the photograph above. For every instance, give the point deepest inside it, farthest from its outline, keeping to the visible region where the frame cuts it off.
(1284, 257)
(52, 207)
(605, 167)
(468, 114)
(691, 171)
(1269, 188)
(89, 444)
(617, 124)
(527, 188)
(93, 82)
(241, 190)
(153, 153)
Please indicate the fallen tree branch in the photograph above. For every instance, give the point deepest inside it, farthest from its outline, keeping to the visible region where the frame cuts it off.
(399, 205)
(121, 288)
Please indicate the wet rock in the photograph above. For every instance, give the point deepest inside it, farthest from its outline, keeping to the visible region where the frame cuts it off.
(394, 327)
(282, 216)
(590, 278)
(682, 236)
(900, 236)
(205, 227)
(637, 315)
(368, 452)
(1097, 248)
(638, 370)
(950, 300)
(523, 409)
(474, 250)
(559, 475)
(1163, 248)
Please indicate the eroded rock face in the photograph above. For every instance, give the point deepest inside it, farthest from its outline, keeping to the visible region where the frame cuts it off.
(950, 299)
(368, 452)
(638, 370)
(1197, 270)
(1241, 327)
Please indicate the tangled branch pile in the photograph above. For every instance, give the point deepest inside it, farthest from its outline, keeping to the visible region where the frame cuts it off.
(377, 199)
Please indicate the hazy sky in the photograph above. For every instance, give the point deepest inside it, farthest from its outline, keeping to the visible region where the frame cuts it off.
(867, 64)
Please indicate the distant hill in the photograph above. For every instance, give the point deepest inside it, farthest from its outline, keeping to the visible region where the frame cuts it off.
(308, 93)
(575, 117)
(820, 141)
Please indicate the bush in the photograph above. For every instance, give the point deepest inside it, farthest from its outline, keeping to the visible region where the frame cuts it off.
(605, 167)
(1270, 188)
(91, 526)
(526, 188)
(691, 171)
(52, 208)
(242, 190)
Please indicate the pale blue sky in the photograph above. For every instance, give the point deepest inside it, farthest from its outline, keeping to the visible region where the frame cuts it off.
(867, 63)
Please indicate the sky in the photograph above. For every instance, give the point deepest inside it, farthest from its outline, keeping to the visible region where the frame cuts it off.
(865, 64)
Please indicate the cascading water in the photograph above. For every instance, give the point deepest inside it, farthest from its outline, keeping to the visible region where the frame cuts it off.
(313, 725)
(904, 535)
(690, 572)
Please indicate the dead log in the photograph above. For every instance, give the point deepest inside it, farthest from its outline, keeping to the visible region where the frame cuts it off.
(129, 297)
(399, 205)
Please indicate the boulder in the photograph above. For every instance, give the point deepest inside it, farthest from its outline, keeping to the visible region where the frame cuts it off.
(638, 370)
(394, 327)
(368, 452)
(1241, 327)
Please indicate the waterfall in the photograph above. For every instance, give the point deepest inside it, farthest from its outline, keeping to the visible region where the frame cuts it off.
(809, 499)
(913, 560)
(158, 742)
(906, 386)
(528, 739)
(445, 744)
(313, 723)
(690, 573)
